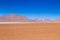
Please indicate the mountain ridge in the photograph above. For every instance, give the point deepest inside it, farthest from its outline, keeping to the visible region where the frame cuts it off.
(19, 18)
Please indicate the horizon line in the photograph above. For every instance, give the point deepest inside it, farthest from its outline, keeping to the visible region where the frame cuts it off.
(25, 22)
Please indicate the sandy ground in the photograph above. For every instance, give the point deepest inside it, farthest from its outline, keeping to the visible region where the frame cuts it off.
(32, 31)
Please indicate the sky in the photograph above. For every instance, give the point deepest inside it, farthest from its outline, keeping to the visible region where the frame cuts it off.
(31, 8)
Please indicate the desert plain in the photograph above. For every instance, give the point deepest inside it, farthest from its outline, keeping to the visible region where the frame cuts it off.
(30, 31)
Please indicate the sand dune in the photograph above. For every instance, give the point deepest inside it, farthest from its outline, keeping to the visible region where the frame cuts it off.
(32, 31)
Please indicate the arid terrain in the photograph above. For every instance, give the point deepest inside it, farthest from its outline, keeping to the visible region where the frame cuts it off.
(32, 31)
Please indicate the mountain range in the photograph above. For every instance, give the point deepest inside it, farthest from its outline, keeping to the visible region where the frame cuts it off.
(19, 18)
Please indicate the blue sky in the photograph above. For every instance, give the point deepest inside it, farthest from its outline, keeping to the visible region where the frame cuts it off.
(31, 8)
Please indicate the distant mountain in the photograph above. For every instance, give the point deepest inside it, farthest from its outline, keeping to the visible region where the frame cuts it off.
(13, 18)
(47, 20)
(57, 20)
(19, 18)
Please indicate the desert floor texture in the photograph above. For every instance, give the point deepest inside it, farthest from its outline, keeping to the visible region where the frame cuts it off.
(32, 31)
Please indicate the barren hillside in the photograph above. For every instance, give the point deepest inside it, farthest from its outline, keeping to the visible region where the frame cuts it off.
(19, 18)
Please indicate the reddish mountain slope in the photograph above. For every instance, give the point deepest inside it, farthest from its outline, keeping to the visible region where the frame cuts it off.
(19, 18)
(13, 18)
